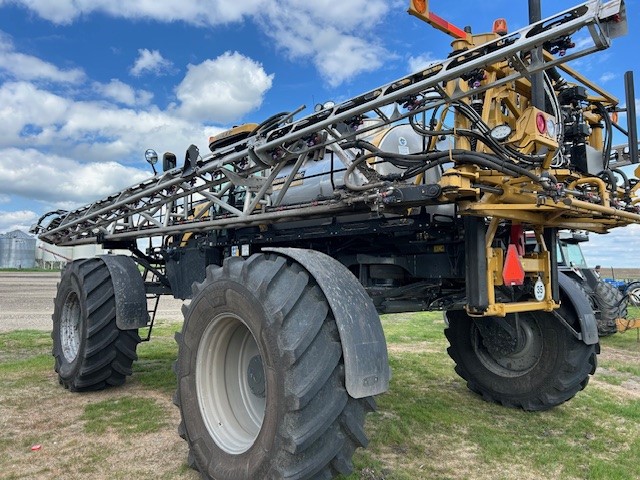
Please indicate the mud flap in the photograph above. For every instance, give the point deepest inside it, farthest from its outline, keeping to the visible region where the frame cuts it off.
(364, 347)
(129, 291)
(580, 303)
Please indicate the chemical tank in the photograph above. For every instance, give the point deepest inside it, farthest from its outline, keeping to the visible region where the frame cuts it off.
(318, 178)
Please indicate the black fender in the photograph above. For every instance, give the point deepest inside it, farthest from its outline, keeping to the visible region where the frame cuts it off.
(129, 292)
(364, 347)
(571, 293)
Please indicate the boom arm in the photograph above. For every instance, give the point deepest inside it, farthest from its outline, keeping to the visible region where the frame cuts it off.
(164, 204)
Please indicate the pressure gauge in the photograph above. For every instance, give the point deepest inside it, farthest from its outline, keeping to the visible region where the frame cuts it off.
(501, 132)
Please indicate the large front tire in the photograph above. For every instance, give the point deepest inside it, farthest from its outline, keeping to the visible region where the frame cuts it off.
(261, 386)
(550, 368)
(90, 351)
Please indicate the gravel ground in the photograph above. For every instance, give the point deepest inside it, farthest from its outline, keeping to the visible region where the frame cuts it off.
(26, 301)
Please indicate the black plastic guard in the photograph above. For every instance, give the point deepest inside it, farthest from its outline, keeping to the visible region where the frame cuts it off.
(582, 306)
(364, 347)
(129, 291)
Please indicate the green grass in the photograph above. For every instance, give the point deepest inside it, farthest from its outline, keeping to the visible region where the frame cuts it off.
(428, 426)
(29, 341)
(24, 356)
(154, 368)
(124, 415)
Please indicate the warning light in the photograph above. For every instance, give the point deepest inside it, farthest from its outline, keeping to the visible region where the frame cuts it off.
(500, 26)
(512, 273)
(541, 122)
(420, 6)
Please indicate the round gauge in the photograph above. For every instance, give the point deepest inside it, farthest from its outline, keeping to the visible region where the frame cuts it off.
(551, 128)
(324, 106)
(500, 132)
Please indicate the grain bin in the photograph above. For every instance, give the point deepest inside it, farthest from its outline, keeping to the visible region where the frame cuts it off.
(17, 250)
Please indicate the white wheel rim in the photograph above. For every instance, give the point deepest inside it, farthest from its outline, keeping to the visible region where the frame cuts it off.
(634, 296)
(70, 322)
(232, 402)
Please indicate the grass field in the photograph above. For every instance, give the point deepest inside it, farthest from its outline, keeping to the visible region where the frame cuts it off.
(428, 426)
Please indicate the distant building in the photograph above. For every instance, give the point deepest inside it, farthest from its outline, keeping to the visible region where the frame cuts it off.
(21, 250)
(17, 250)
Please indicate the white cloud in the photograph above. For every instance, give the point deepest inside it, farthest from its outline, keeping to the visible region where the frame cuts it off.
(123, 93)
(337, 37)
(200, 12)
(32, 117)
(18, 220)
(150, 62)
(614, 249)
(26, 67)
(62, 181)
(421, 62)
(223, 89)
(5, 198)
(25, 106)
(607, 77)
(347, 57)
(324, 31)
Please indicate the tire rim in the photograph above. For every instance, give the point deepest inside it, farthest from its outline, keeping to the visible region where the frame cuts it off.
(70, 323)
(230, 384)
(517, 363)
(634, 297)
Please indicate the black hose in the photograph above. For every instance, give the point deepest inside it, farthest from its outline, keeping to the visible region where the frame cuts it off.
(426, 161)
(608, 176)
(464, 156)
(269, 123)
(625, 178)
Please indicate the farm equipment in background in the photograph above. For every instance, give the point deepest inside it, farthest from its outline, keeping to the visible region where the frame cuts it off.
(609, 303)
(291, 235)
(631, 321)
(630, 291)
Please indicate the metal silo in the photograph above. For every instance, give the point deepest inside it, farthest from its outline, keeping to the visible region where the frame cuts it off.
(17, 250)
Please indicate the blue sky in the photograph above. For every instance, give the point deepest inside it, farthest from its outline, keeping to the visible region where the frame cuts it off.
(87, 85)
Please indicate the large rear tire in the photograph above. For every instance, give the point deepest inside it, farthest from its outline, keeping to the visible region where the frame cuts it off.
(610, 305)
(90, 351)
(261, 386)
(550, 368)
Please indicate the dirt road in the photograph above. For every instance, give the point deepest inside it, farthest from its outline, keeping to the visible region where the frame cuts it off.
(26, 301)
